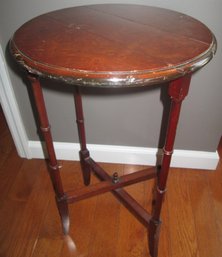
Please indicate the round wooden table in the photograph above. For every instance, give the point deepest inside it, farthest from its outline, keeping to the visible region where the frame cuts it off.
(112, 45)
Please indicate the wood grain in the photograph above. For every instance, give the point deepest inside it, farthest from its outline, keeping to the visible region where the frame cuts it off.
(132, 241)
(206, 227)
(104, 237)
(113, 45)
(181, 218)
(191, 215)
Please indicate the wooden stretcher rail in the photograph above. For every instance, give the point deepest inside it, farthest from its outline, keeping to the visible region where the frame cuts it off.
(127, 200)
(108, 185)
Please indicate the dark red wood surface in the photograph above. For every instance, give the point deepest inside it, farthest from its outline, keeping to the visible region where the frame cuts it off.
(113, 44)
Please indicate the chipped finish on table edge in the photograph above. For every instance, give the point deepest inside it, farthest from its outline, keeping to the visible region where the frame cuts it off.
(114, 79)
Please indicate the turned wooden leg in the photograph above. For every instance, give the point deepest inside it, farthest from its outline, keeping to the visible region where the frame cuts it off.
(53, 164)
(178, 90)
(84, 153)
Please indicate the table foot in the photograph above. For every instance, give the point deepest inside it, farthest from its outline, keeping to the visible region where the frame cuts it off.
(86, 170)
(64, 214)
(153, 237)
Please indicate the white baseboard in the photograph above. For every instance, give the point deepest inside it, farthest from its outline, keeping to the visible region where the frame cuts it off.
(101, 153)
(129, 155)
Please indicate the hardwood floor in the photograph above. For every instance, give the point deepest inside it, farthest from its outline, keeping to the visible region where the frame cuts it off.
(100, 226)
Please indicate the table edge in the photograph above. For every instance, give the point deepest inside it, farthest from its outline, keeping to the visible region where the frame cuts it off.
(114, 78)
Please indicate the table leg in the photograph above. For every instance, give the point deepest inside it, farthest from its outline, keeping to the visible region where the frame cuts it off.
(84, 153)
(53, 164)
(178, 90)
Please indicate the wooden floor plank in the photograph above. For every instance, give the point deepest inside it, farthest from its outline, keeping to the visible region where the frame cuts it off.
(183, 237)
(23, 211)
(50, 238)
(205, 220)
(104, 234)
(81, 214)
(132, 241)
(100, 226)
(8, 173)
(14, 211)
(215, 194)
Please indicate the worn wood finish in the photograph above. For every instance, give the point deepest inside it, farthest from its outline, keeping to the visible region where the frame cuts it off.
(113, 45)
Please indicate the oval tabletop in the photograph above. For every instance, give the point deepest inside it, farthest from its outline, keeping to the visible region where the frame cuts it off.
(113, 45)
